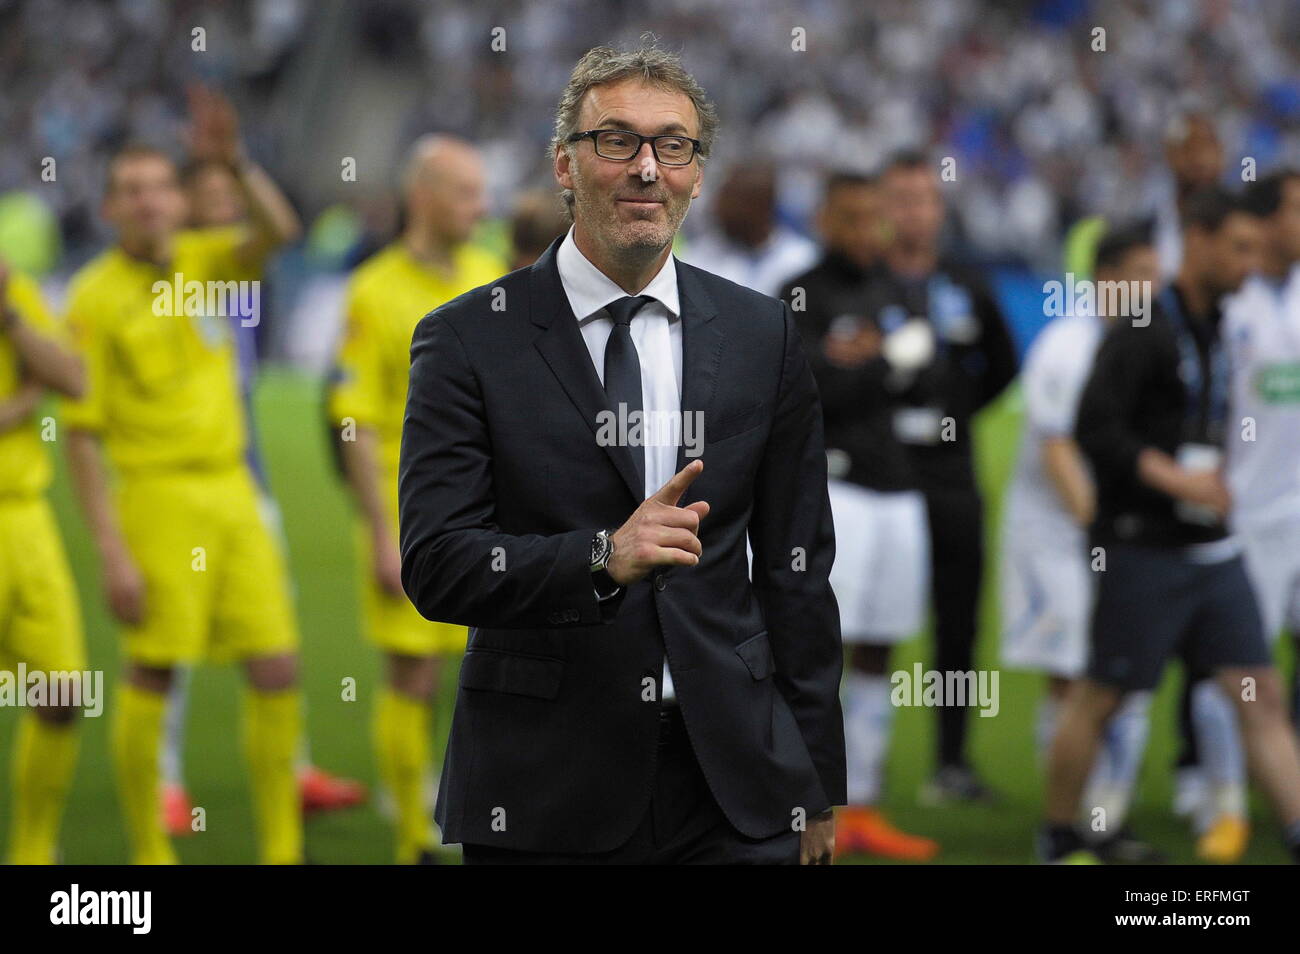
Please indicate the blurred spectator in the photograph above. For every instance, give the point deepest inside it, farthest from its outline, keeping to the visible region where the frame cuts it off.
(749, 246)
(1043, 124)
(1195, 155)
(539, 218)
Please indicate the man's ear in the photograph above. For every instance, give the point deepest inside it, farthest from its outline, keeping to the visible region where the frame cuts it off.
(562, 163)
(699, 181)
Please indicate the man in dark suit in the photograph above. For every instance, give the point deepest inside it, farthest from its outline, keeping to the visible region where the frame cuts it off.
(633, 692)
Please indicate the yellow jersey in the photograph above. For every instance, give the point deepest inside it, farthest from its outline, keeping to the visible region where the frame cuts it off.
(387, 296)
(161, 369)
(24, 464)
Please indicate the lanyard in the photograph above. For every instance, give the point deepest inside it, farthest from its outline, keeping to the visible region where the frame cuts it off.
(1207, 402)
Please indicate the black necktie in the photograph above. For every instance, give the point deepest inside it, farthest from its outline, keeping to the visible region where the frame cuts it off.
(623, 366)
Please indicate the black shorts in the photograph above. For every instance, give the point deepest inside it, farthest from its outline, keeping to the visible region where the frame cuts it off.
(1153, 603)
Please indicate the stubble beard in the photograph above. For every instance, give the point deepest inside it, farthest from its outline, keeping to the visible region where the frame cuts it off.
(639, 239)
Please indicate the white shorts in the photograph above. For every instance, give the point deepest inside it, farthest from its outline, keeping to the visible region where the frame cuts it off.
(1046, 594)
(881, 575)
(1272, 554)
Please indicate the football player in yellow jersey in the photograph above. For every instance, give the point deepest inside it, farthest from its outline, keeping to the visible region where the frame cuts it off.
(430, 264)
(40, 618)
(215, 200)
(190, 567)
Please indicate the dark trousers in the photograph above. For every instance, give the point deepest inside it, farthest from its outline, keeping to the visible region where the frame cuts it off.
(957, 568)
(682, 825)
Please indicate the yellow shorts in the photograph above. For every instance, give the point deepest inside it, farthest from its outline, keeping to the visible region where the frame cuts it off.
(216, 578)
(40, 616)
(391, 622)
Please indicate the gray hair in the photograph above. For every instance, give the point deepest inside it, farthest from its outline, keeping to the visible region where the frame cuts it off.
(602, 64)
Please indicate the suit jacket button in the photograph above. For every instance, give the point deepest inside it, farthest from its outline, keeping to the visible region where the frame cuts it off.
(661, 582)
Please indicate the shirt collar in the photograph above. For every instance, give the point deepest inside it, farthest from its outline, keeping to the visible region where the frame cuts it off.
(589, 289)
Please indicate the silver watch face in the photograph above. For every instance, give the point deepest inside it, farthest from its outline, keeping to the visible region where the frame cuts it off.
(599, 549)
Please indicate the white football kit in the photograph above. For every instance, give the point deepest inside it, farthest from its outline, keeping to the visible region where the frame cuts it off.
(1045, 580)
(1262, 332)
(881, 574)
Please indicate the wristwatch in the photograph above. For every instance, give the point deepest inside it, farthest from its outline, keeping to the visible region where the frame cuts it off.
(602, 551)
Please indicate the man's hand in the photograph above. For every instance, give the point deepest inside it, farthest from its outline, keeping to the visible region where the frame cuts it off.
(852, 350)
(817, 843)
(660, 533)
(18, 408)
(124, 586)
(1202, 488)
(1205, 488)
(214, 127)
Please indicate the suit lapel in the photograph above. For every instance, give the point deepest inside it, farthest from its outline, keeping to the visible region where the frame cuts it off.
(702, 339)
(562, 346)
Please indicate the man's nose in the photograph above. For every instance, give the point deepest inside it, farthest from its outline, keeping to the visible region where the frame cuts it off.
(644, 165)
(645, 152)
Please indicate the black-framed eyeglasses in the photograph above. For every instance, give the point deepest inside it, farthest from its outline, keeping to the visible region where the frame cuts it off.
(623, 144)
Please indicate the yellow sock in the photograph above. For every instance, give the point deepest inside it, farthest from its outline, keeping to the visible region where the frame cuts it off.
(44, 759)
(273, 730)
(402, 748)
(137, 737)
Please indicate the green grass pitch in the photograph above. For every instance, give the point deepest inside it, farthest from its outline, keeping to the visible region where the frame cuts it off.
(317, 521)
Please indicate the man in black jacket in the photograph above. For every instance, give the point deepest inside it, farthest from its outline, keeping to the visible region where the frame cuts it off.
(1152, 422)
(960, 357)
(881, 573)
(628, 694)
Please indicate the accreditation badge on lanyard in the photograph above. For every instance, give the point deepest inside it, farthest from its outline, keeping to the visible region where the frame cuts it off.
(922, 425)
(1206, 414)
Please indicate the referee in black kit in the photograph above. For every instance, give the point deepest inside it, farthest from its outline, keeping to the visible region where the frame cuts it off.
(1152, 422)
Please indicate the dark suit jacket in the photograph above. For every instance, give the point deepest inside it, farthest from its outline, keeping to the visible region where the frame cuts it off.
(502, 486)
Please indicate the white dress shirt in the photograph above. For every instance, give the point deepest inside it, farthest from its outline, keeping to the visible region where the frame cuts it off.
(657, 333)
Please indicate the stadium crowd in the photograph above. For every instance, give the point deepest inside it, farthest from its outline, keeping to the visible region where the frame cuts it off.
(1044, 127)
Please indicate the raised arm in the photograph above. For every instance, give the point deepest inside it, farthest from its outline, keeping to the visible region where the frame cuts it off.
(214, 135)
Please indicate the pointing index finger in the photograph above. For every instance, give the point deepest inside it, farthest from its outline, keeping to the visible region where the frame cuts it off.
(671, 492)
